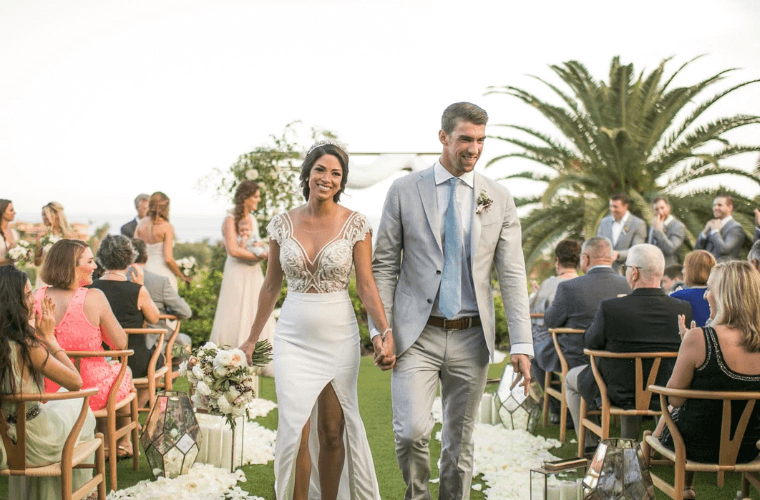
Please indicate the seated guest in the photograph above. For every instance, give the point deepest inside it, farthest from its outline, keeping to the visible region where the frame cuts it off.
(696, 269)
(163, 294)
(577, 300)
(644, 321)
(566, 258)
(722, 236)
(83, 321)
(753, 257)
(672, 278)
(724, 357)
(27, 355)
(130, 301)
(141, 205)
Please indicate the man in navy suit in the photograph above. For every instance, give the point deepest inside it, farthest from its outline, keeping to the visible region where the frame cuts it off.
(141, 205)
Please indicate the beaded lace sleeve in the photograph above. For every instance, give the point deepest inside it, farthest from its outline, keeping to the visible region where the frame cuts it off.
(358, 229)
(276, 229)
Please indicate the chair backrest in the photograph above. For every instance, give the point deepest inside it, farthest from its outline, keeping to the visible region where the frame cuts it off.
(555, 332)
(122, 355)
(17, 451)
(642, 394)
(161, 332)
(729, 446)
(172, 337)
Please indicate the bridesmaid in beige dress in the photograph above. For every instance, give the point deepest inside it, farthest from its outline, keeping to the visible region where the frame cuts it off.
(8, 236)
(158, 234)
(241, 284)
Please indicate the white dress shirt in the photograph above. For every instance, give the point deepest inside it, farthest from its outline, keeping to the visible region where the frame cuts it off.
(617, 227)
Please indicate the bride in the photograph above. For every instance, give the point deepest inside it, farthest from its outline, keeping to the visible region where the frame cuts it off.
(158, 235)
(316, 356)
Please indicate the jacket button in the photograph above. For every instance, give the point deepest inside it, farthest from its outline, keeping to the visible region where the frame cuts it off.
(430, 301)
(438, 272)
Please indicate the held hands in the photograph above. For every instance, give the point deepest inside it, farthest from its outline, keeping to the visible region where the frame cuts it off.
(521, 365)
(682, 325)
(385, 359)
(44, 322)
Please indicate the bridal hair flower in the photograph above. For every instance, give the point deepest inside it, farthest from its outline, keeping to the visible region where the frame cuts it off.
(484, 203)
(319, 144)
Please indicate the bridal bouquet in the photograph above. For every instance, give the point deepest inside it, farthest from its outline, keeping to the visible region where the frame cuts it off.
(48, 240)
(23, 253)
(187, 265)
(222, 380)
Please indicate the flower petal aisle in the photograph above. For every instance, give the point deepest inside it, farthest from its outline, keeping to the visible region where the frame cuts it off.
(505, 458)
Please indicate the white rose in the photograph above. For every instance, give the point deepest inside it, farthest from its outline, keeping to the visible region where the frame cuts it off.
(197, 372)
(197, 400)
(183, 368)
(209, 345)
(234, 393)
(237, 358)
(224, 405)
(202, 388)
(220, 371)
(223, 358)
(251, 174)
(238, 411)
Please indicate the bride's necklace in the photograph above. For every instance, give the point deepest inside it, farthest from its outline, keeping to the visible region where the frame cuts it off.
(123, 275)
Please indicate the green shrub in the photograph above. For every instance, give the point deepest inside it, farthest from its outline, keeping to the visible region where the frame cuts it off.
(202, 251)
(502, 328)
(202, 296)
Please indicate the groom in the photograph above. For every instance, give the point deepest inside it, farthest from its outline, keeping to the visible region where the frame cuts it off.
(441, 232)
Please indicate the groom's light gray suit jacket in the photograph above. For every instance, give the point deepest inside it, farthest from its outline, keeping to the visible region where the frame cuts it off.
(408, 259)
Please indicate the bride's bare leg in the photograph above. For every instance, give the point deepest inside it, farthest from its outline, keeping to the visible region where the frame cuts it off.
(303, 467)
(331, 448)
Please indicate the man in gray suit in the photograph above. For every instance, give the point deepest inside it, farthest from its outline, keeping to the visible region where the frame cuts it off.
(722, 236)
(666, 232)
(576, 301)
(622, 228)
(441, 233)
(164, 296)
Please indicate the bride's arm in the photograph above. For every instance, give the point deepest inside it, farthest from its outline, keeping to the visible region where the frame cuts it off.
(270, 292)
(370, 297)
(169, 253)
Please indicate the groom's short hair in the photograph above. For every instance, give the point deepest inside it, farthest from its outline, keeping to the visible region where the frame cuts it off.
(462, 111)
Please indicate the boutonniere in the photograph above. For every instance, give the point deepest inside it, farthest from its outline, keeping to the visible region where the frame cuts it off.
(484, 203)
(625, 229)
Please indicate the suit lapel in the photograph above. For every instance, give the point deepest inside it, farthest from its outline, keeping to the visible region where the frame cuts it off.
(477, 186)
(426, 187)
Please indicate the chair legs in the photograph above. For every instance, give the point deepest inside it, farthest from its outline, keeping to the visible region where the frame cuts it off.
(580, 429)
(100, 467)
(563, 415)
(547, 385)
(135, 435)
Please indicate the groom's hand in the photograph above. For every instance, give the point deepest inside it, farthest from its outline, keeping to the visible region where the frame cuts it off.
(384, 357)
(521, 365)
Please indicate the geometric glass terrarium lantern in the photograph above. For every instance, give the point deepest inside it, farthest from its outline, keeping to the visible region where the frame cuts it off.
(170, 436)
(618, 471)
(560, 480)
(516, 410)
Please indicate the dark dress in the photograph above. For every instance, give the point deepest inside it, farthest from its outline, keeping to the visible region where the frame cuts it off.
(700, 309)
(699, 420)
(122, 296)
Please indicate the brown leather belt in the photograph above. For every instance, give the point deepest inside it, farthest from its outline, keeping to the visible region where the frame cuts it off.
(454, 324)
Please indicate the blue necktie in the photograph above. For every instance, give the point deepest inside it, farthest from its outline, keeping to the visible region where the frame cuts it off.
(450, 298)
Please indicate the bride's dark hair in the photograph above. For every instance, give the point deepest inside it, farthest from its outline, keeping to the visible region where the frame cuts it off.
(14, 326)
(245, 190)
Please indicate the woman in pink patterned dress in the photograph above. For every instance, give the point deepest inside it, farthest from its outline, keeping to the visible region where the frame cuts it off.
(83, 321)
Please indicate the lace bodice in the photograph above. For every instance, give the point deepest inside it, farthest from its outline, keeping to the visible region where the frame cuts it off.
(331, 268)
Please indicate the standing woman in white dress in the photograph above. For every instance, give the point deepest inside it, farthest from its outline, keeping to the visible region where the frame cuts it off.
(317, 351)
(158, 235)
(242, 280)
(8, 236)
(57, 227)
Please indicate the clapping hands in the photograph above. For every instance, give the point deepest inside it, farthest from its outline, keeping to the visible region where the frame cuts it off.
(682, 325)
(44, 321)
(385, 359)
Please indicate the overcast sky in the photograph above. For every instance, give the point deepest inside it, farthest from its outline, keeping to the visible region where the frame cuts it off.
(101, 100)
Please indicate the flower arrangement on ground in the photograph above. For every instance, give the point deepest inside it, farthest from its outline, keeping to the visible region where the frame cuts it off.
(22, 254)
(222, 380)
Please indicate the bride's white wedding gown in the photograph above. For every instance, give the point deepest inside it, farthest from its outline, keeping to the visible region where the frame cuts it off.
(317, 343)
(157, 264)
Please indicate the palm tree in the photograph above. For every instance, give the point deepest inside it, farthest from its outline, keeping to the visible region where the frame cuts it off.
(628, 136)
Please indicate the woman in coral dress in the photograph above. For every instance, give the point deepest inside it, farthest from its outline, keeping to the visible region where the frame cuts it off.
(83, 320)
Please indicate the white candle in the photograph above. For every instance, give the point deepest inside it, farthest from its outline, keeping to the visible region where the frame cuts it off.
(553, 492)
(569, 490)
(226, 448)
(579, 485)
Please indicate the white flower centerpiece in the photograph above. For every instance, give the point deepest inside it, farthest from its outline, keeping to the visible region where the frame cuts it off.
(223, 381)
(22, 254)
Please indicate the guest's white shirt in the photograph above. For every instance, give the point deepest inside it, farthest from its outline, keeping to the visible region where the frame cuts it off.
(617, 227)
(466, 199)
(723, 223)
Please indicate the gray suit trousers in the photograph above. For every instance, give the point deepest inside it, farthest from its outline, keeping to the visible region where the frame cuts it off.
(459, 360)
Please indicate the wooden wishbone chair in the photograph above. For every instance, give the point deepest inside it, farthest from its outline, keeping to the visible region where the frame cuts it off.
(151, 380)
(171, 374)
(550, 386)
(127, 407)
(73, 454)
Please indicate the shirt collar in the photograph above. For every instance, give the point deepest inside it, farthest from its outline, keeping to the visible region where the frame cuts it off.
(599, 266)
(667, 220)
(442, 175)
(727, 218)
(623, 219)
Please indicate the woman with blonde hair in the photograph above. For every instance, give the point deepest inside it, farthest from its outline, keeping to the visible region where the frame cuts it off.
(696, 270)
(158, 234)
(56, 228)
(724, 356)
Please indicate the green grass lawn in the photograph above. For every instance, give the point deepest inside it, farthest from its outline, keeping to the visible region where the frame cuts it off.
(375, 406)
